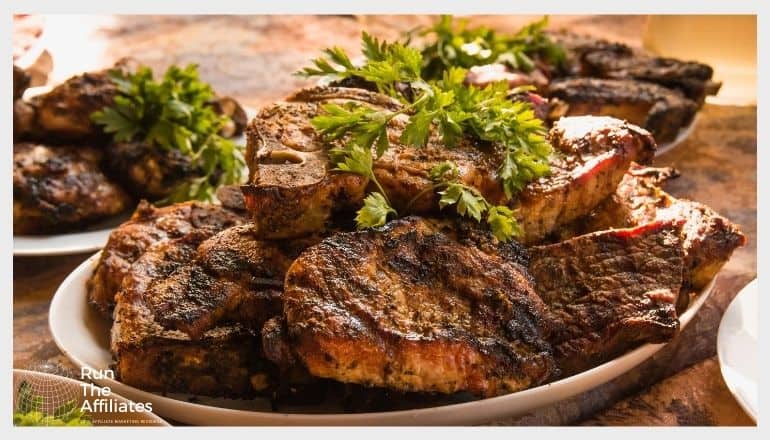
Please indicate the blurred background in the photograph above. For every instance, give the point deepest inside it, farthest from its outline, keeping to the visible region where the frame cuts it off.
(240, 55)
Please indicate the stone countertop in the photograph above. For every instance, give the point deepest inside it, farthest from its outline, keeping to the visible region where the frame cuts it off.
(252, 58)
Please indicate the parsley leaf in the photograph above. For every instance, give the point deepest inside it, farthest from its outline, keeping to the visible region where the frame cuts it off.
(174, 114)
(502, 223)
(454, 44)
(387, 65)
(468, 200)
(374, 212)
(470, 203)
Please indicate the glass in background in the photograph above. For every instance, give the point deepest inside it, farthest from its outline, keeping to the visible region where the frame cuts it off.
(728, 43)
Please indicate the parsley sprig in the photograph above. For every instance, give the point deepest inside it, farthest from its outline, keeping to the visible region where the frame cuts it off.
(447, 108)
(174, 113)
(387, 66)
(470, 203)
(454, 44)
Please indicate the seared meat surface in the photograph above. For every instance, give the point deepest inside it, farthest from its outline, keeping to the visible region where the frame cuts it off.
(708, 239)
(150, 225)
(57, 189)
(149, 172)
(190, 302)
(293, 190)
(65, 111)
(658, 109)
(600, 59)
(233, 277)
(414, 307)
(23, 113)
(609, 291)
(149, 356)
(20, 82)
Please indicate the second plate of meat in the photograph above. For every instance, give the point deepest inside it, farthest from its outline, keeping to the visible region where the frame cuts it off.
(71, 185)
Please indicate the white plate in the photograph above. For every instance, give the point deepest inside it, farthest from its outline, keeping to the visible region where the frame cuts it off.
(83, 336)
(56, 390)
(89, 240)
(64, 244)
(738, 348)
(680, 137)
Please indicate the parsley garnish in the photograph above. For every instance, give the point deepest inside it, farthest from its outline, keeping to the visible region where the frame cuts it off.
(457, 45)
(387, 66)
(448, 108)
(470, 203)
(174, 113)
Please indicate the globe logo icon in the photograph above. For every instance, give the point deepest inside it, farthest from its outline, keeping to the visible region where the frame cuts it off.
(46, 400)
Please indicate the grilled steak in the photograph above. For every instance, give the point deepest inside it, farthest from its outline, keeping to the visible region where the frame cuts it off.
(65, 111)
(293, 191)
(56, 189)
(154, 358)
(147, 171)
(609, 291)
(414, 307)
(601, 59)
(189, 303)
(147, 226)
(708, 239)
(660, 110)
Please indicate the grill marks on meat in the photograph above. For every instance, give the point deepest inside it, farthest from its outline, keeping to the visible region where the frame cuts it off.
(609, 291)
(410, 307)
(147, 226)
(59, 188)
(293, 191)
(660, 110)
(708, 239)
(154, 358)
(189, 302)
(233, 277)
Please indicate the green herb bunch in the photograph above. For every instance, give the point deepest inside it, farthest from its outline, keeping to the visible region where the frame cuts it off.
(454, 44)
(447, 108)
(29, 411)
(175, 114)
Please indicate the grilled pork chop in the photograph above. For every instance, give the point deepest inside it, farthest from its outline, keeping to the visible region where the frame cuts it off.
(147, 171)
(660, 110)
(60, 188)
(65, 111)
(147, 226)
(708, 239)
(609, 291)
(414, 307)
(293, 191)
(189, 303)
(598, 58)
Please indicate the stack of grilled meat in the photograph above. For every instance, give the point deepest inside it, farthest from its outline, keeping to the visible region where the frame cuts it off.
(659, 94)
(68, 174)
(275, 287)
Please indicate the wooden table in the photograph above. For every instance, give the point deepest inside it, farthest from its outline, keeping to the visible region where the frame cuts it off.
(251, 58)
